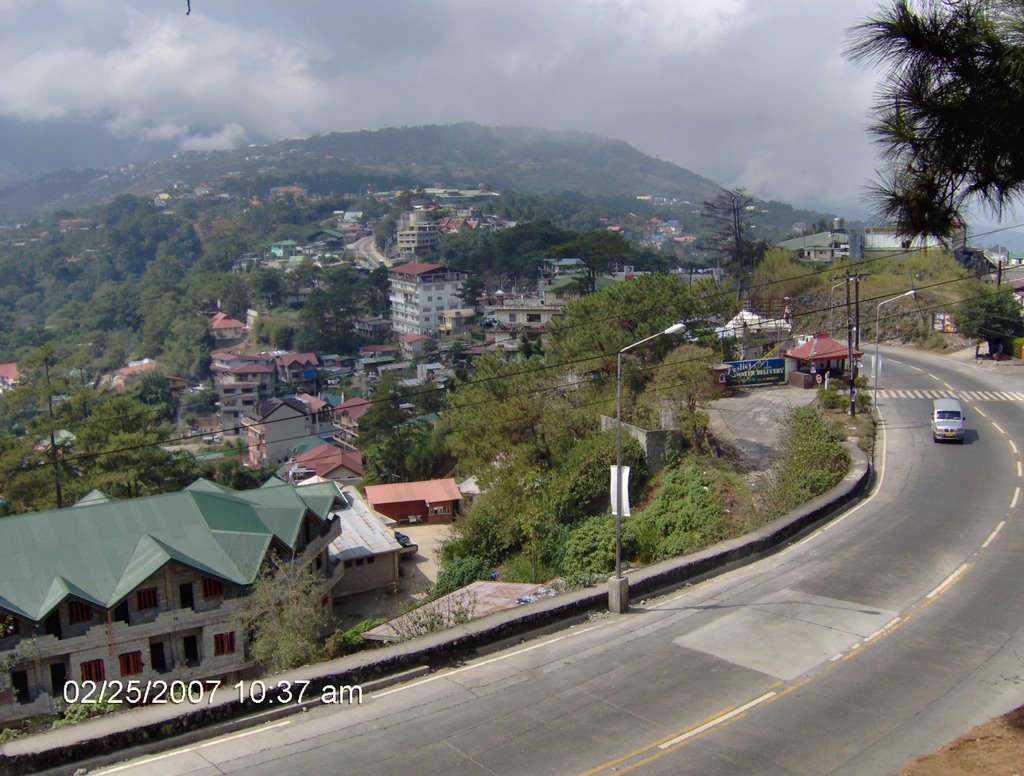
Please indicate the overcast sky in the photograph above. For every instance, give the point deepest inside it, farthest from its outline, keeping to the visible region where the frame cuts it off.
(752, 93)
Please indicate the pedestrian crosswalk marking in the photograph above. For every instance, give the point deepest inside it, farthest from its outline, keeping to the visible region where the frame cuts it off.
(909, 393)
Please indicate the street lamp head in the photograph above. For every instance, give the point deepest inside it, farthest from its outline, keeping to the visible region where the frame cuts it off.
(675, 328)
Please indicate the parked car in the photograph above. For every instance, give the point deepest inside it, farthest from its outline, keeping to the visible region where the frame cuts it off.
(408, 545)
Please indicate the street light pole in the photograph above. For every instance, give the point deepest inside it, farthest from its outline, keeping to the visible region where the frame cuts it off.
(878, 335)
(618, 588)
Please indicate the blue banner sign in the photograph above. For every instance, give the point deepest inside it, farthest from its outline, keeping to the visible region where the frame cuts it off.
(770, 371)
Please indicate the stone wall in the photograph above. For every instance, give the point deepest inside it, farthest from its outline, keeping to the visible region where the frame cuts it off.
(656, 444)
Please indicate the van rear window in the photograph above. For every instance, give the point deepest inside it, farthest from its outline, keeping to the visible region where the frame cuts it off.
(947, 415)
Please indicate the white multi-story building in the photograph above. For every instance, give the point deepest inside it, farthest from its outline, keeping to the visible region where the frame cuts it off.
(420, 294)
(418, 236)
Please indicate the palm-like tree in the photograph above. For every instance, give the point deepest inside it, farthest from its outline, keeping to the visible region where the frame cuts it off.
(950, 113)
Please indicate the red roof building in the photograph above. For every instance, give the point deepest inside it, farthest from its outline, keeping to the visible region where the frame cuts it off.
(430, 501)
(331, 463)
(225, 327)
(8, 375)
(821, 353)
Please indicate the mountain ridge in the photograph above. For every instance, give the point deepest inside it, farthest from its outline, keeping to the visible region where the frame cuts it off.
(463, 155)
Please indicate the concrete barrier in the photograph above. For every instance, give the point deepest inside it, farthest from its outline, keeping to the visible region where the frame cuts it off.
(142, 731)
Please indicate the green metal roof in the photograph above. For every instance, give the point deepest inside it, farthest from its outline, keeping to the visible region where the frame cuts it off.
(102, 548)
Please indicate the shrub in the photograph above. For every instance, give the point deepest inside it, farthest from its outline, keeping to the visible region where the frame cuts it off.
(590, 548)
(346, 642)
(79, 712)
(685, 516)
(460, 572)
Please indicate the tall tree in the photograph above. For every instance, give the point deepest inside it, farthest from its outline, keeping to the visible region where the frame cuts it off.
(730, 214)
(600, 252)
(948, 113)
(992, 315)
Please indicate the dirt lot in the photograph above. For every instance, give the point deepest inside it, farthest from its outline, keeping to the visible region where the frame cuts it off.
(993, 749)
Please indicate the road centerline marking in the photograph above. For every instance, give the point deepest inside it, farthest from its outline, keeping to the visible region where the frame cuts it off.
(992, 536)
(718, 720)
(950, 580)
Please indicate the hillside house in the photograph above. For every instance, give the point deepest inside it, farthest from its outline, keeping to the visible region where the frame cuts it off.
(346, 421)
(9, 376)
(223, 327)
(366, 549)
(327, 462)
(413, 346)
(144, 589)
(273, 426)
(426, 501)
(297, 368)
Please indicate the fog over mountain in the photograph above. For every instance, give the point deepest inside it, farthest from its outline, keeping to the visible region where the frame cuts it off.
(746, 93)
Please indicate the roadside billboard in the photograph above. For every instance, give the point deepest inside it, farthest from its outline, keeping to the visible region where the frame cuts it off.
(769, 371)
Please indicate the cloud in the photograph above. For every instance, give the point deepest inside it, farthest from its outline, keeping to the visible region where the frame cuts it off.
(747, 93)
(229, 136)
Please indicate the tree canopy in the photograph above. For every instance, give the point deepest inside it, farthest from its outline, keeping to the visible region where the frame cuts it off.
(948, 113)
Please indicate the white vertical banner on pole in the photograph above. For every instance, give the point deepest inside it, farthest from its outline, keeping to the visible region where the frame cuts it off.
(625, 491)
(876, 363)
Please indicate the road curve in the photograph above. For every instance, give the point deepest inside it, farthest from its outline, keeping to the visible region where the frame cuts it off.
(863, 645)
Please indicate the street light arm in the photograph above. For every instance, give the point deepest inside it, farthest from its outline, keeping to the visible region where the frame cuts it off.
(878, 335)
(675, 328)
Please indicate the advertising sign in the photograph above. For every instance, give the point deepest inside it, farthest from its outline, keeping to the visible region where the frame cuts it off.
(770, 371)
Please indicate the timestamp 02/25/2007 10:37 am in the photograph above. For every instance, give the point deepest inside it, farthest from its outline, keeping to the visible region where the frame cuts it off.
(198, 692)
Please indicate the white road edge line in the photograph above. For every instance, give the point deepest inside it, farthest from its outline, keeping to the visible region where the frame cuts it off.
(214, 742)
(1019, 472)
(715, 722)
(446, 674)
(948, 580)
(888, 626)
(1016, 497)
(993, 535)
(841, 518)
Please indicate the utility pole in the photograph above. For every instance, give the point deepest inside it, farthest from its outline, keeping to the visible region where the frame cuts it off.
(849, 348)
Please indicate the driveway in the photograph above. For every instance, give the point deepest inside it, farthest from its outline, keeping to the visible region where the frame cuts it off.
(750, 422)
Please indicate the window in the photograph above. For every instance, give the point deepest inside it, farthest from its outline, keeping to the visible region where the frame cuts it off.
(212, 588)
(8, 626)
(224, 643)
(533, 317)
(147, 599)
(79, 612)
(131, 663)
(512, 318)
(92, 671)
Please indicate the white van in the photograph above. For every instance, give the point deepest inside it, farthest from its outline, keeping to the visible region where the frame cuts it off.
(947, 420)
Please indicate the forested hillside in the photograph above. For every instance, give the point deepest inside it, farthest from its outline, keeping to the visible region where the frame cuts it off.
(517, 159)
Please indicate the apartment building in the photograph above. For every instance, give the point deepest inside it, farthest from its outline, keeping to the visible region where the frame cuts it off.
(418, 236)
(145, 589)
(273, 427)
(420, 294)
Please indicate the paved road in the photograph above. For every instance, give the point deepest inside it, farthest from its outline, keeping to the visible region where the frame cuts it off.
(366, 252)
(858, 648)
